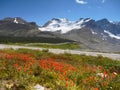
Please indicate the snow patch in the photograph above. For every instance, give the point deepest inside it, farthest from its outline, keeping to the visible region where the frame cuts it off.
(83, 21)
(64, 25)
(64, 20)
(112, 35)
(113, 22)
(63, 29)
(93, 32)
(104, 37)
(15, 21)
(88, 20)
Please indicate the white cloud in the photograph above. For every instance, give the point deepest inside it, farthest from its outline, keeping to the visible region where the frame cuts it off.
(103, 1)
(81, 1)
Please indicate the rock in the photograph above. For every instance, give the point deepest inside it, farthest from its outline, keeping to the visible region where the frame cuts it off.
(38, 87)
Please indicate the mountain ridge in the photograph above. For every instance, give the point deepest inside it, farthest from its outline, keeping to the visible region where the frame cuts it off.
(101, 35)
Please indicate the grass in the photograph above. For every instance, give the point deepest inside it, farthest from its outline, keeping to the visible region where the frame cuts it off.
(50, 45)
(59, 46)
(22, 69)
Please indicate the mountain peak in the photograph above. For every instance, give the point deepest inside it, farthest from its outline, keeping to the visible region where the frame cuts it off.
(60, 20)
(55, 19)
(84, 20)
(104, 20)
(63, 25)
(64, 19)
(15, 20)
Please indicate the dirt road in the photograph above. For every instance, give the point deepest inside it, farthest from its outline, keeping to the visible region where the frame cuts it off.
(58, 51)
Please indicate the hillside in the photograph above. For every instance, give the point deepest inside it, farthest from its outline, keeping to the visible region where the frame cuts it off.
(101, 35)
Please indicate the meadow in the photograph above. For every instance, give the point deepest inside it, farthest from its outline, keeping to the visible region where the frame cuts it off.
(22, 69)
(55, 46)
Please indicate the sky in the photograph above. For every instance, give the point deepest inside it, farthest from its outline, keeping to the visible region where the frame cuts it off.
(40, 11)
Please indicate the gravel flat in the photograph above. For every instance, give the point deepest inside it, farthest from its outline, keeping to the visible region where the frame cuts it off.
(60, 51)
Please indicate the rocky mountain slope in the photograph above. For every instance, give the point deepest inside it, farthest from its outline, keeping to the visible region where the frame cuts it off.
(101, 35)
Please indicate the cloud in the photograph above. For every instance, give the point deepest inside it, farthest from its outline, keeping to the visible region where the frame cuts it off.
(103, 1)
(81, 1)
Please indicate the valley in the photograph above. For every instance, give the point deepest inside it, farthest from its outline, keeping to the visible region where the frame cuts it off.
(60, 55)
(59, 45)
(95, 35)
(61, 51)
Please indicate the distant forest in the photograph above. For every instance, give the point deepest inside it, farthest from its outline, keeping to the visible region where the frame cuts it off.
(5, 39)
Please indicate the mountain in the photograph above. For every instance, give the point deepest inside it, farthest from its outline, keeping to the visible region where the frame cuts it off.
(63, 25)
(19, 27)
(16, 24)
(101, 35)
(110, 26)
(15, 27)
(18, 30)
(102, 26)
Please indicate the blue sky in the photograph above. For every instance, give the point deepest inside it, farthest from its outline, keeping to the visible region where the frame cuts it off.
(41, 11)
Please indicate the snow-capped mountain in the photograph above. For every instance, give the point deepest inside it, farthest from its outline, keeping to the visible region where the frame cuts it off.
(16, 23)
(112, 35)
(16, 20)
(103, 26)
(63, 25)
(101, 35)
(113, 27)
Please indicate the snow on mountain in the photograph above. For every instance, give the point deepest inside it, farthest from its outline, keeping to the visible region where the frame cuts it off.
(63, 25)
(15, 21)
(93, 32)
(113, 22)
(102, 35)
(112, 35)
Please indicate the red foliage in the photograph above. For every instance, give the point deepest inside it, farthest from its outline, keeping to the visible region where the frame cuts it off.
(16, 65)
(19, 68)
(96, 89)
(56, 66)
(66, 79)
(19, 56)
